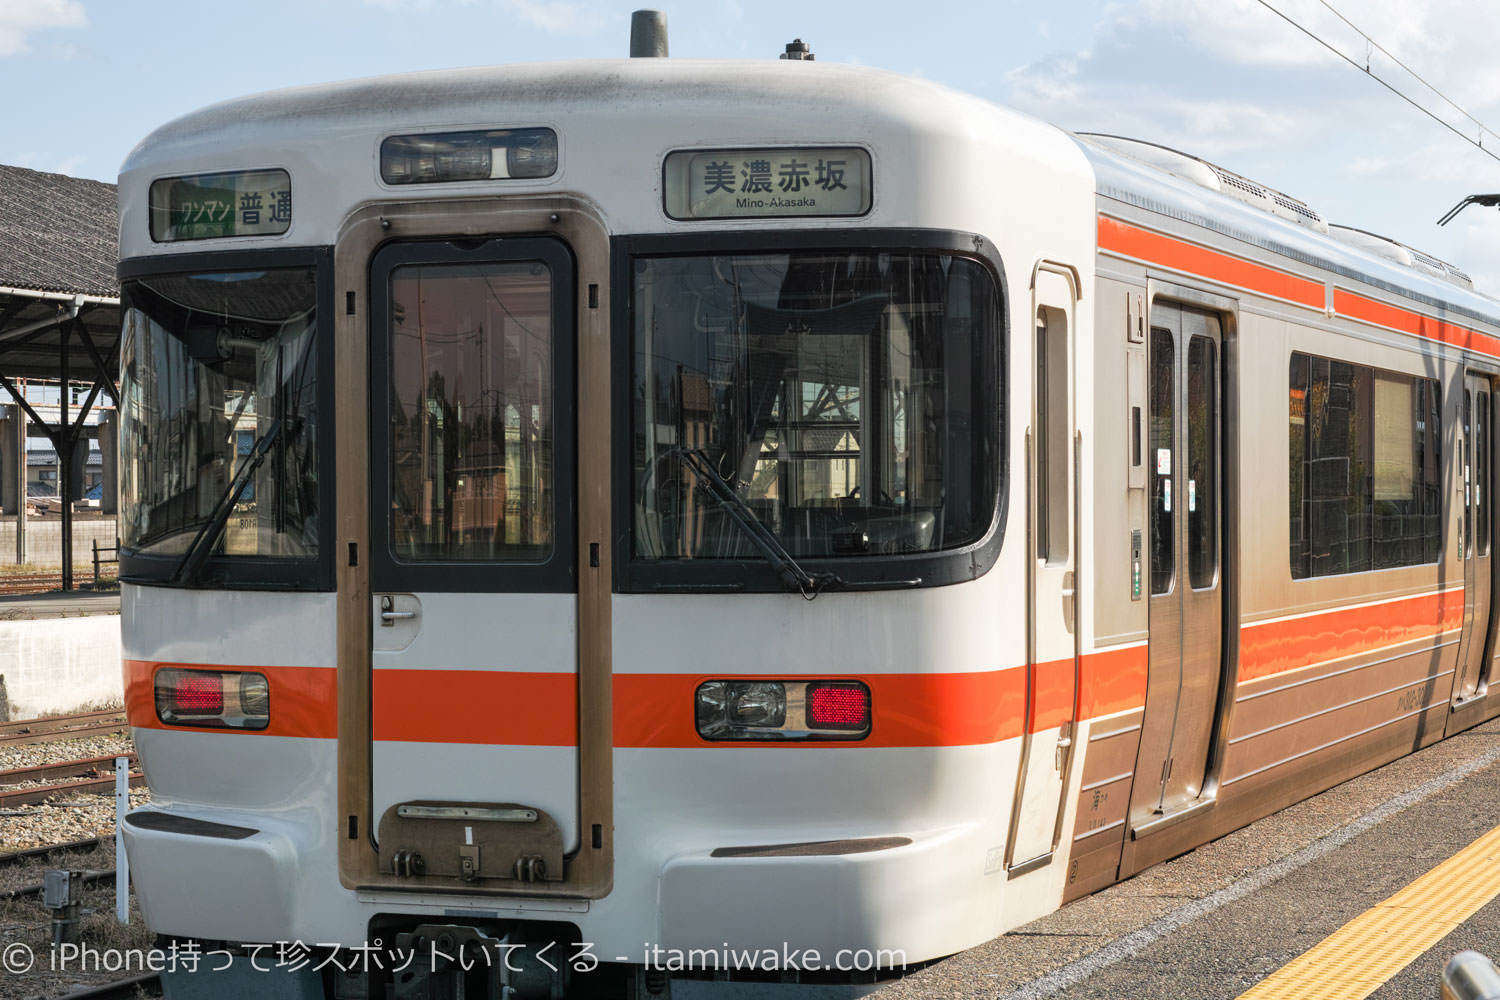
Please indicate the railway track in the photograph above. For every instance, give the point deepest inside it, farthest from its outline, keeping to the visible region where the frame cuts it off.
(36, 853)
(30, 584)
(62, 727)
(122, 989)
(44, 793)
(46, 583)
(83, 767)
(88, 877)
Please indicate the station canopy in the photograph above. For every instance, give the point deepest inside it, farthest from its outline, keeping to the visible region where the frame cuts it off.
(59, 301)
(58, 248)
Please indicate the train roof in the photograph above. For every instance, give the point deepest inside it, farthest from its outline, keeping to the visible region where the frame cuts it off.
(722, 89)
(1170, 185)
(753, 96)
(615, 119)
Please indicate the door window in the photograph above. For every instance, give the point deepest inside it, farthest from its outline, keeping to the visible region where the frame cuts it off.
(472, 419)
(1203, 463)
(1163, 425)
(472, 450)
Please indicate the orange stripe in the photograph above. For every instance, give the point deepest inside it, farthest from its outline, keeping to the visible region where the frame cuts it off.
(1268, 648)
(476, 706)
(1368, 310)
(656, 710)
(1054, 701)
(1154, 248)
(304, 700)
(908, 710)
(1114, 680)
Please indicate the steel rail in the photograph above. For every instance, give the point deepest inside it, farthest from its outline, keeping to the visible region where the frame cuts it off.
(52, 723)
(35, 853)
(41, 793)
(90, 877)
(63, 728)
(92, 767)
(121, 989)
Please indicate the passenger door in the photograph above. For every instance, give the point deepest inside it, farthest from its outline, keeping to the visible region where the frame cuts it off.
(474, 693)
(1052, 515)
(1185, 468)
(1475, 455)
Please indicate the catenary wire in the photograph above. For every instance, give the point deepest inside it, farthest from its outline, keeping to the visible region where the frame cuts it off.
(1447, 125)
(1415, 75)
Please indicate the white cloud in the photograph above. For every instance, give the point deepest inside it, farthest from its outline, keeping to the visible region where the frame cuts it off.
(19, 18)
(1233, 75)
(1236, 84)
(558, 17)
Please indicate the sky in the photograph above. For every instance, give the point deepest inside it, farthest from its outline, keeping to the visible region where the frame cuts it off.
(1227, 80)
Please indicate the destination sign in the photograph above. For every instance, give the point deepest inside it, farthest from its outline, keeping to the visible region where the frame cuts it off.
(214, 206)
(767, 183)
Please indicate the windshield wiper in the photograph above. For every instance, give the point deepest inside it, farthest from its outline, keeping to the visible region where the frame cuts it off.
(810, 585)
(208, 536)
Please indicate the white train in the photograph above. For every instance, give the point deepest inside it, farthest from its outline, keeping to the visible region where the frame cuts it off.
(652, 526)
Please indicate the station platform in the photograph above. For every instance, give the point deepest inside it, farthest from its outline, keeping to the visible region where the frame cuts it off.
(1364, 891)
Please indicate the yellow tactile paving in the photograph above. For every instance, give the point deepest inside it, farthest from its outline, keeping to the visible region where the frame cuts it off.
(1352, 962)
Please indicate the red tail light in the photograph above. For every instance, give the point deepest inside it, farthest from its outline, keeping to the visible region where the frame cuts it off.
(198, 694)
(782, 711)
(840, 705)
(215, 699)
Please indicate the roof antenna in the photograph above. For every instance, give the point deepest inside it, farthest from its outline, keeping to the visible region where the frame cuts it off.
(1487, 200)
(797, 49)
(648, 35)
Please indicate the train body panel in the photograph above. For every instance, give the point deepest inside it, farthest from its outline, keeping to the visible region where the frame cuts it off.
(621, 549)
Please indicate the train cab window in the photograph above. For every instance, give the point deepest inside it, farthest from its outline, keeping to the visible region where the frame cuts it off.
(842, 402)
(220, 393)
(1365, 462)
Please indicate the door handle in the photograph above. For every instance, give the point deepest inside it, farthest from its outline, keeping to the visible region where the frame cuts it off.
(1068, 594)
(389, 616)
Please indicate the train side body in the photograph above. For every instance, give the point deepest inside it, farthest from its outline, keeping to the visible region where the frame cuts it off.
(1031, 737)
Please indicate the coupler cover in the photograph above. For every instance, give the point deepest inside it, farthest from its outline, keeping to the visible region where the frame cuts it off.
(429, 842)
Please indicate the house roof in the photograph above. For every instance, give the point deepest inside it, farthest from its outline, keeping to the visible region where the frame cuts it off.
(57, 233)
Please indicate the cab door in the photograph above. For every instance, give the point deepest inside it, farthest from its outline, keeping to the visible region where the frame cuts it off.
(1187, 575)
(474, 607)
(1052, 520)
(1475, 454)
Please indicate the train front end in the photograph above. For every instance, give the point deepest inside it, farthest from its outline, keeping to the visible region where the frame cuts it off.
(565, 529)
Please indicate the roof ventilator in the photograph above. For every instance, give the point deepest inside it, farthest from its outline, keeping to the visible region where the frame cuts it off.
(1216, 178)
(1400, 253)
(1211, 176)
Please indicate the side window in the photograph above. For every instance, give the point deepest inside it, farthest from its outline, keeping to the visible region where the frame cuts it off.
(1052, 451)
(1364, 462)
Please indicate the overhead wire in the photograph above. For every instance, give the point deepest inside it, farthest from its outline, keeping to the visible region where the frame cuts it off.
(1414, 74)
(1388, 86)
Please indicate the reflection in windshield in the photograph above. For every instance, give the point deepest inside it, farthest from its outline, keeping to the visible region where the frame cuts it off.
(843, 396)
(210, 363)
